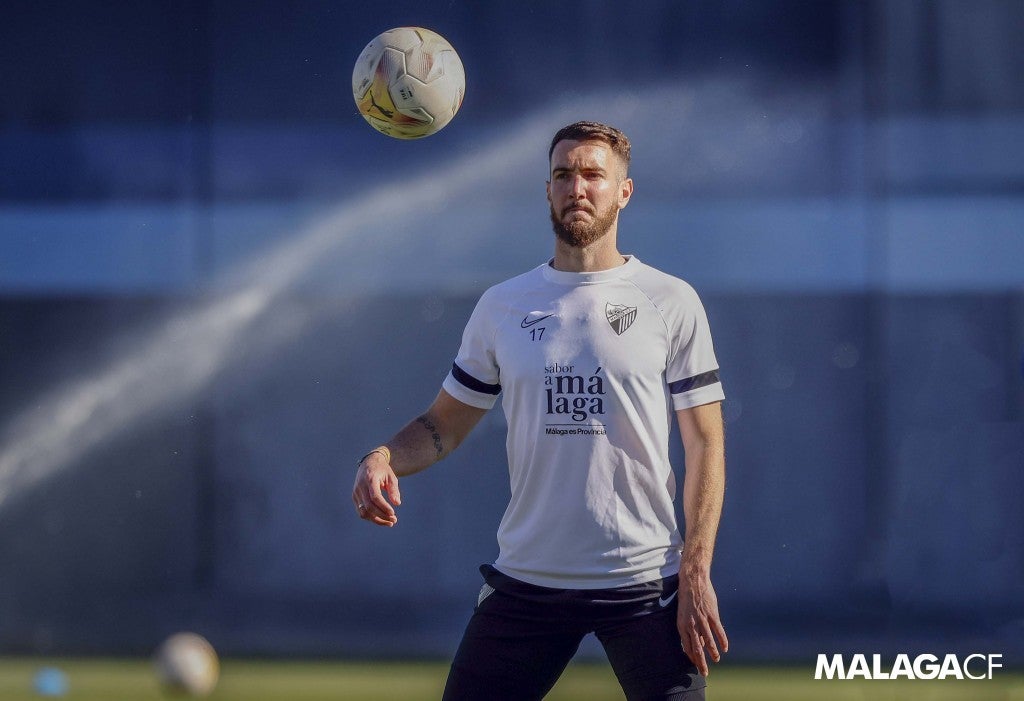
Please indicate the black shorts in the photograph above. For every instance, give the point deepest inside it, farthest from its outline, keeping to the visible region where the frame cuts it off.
(521, 637)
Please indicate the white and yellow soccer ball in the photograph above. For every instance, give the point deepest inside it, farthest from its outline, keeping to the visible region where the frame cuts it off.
(408, 82)
(186, 663)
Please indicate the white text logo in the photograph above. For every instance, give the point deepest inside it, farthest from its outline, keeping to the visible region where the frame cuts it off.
(976, 666)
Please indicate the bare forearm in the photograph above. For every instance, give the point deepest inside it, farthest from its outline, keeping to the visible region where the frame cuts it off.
(419, 445)
(432, 435)
(703, 493)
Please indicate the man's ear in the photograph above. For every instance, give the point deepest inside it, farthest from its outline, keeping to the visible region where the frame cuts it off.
(625, 192)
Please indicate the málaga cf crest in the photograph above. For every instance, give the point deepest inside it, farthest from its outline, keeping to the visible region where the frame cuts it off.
(619, 316)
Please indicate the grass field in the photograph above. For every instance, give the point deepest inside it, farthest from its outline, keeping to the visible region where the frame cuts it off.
(131, 680)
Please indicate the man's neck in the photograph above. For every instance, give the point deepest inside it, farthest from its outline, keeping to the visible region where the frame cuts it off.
(600, 255)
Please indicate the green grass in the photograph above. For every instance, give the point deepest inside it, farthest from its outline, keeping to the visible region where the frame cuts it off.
(133, 680)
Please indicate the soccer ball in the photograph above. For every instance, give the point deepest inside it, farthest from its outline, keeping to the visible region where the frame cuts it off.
(187, 663)
(408, 82)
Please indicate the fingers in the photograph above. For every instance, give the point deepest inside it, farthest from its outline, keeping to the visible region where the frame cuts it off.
(708, 640)
(719, 632)
(370, 510)
(367, 495)
(373, 507)
(713, 630)
(379, 505)
(392, 488)
(693, 647)
(700, 628)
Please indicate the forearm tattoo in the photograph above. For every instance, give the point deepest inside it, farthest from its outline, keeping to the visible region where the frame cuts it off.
(427, 424)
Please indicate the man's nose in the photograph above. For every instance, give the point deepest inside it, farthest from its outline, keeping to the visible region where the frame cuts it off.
(579, 187)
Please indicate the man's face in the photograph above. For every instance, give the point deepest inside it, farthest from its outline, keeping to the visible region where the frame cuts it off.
(587, 189)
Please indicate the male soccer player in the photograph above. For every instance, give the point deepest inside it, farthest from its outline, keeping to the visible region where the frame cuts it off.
(592, 352)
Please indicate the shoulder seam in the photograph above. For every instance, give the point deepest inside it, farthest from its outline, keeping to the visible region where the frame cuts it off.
(661, 316)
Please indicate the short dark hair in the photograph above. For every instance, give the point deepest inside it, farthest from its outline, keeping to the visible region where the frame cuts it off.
(582, 131)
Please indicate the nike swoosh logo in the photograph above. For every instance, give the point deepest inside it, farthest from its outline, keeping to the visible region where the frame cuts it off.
(665, 602)
(527, 322)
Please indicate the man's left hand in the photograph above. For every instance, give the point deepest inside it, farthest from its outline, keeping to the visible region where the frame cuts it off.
(698, 621)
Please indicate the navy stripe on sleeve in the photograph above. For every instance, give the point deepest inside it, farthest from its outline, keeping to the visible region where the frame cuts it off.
(697, 381)
(472, 383)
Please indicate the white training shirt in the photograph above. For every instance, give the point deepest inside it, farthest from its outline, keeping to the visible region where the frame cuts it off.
(590, 366)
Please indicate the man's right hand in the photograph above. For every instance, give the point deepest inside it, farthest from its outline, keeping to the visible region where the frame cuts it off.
(374, 479)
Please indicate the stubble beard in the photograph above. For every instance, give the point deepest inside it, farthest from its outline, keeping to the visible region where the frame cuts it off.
(580, 234)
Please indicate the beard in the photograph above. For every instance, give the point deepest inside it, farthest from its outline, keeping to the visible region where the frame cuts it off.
(580, 234)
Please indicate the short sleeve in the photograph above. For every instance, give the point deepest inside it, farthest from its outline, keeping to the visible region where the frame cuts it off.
(474, 377)
(692, 371)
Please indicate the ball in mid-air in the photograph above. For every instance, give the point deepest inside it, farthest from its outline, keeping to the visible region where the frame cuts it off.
(408, 82)
(186, 663)
(50, 681)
